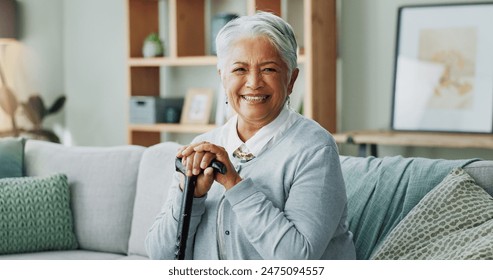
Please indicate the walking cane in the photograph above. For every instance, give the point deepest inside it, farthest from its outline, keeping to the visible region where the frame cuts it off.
(186, 205)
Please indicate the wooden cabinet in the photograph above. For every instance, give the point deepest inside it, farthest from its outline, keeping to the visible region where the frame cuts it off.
(186, 29)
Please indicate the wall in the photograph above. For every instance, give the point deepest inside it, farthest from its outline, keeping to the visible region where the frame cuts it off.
(95, 79)
(367, 47)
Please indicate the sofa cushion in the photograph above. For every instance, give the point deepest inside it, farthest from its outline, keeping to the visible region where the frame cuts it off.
(35, 215)
(453, 221)
(102, 182)
(381, 191)
(11, 157)
(64, 255)
(155, 174)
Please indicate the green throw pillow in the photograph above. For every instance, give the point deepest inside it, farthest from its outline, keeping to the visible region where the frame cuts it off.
(453, 221)
(35, 214)
(11, 157)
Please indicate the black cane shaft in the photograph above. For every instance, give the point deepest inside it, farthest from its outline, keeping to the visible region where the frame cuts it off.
(185, 215)
(186, 206)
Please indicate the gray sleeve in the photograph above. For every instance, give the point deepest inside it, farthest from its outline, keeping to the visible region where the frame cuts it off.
(161, 239)
(312, 213)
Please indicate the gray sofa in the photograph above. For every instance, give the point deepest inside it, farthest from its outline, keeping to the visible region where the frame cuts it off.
(116, 193)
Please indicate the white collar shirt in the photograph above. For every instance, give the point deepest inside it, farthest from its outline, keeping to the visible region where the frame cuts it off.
(259, 142)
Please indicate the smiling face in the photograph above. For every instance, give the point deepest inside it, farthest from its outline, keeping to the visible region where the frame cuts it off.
(256, 81)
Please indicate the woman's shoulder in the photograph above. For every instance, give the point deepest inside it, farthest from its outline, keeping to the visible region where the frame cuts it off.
(307, 140)
(309, 132)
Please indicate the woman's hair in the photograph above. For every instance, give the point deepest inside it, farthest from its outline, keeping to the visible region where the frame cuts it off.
(274, 28)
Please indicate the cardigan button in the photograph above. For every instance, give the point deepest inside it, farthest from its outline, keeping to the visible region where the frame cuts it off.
(227, 232)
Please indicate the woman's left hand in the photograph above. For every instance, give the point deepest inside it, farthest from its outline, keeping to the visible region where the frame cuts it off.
(198, 156)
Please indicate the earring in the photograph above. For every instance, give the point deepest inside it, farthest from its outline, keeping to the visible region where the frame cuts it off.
(288, 100)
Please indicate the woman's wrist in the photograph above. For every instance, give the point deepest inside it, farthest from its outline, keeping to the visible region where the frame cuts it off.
(230, 184)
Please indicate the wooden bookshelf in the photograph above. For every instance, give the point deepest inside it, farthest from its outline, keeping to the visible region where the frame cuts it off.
(187, 32)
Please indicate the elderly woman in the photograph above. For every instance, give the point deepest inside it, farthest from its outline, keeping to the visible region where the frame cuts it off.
(283, 195)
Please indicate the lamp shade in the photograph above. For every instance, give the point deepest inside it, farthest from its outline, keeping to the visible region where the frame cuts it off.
(8, 19)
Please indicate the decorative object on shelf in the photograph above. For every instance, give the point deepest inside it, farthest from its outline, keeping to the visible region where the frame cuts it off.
(153, 46)
(198, 106)
(443, 72)
(172, 109)
(218, 22)
(153, 109)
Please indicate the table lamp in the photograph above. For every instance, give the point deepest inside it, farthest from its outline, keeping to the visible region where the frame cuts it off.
(8, 19)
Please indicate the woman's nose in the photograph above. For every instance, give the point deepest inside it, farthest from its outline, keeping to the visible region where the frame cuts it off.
(254, 80)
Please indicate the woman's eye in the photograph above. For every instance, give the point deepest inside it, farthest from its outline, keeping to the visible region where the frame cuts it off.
(269, 70)
(239, 70)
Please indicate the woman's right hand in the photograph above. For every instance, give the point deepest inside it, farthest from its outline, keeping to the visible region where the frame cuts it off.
(197, 158)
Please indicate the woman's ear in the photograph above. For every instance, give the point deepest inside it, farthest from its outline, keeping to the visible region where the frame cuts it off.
(294, 76)
(221, 77)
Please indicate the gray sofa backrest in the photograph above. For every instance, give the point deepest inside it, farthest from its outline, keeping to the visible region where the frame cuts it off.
(482, 173)
(155, 175)
(102, 184)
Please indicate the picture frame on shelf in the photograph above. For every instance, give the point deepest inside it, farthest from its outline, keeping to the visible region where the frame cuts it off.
(198, 106)
(443, 78)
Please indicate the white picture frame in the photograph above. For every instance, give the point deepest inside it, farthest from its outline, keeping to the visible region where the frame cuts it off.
(198, 106)
(443, 78)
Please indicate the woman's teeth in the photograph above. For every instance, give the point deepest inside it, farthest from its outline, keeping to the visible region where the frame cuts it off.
(256, 98)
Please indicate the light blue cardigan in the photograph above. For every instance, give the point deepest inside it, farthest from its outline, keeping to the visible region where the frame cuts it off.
(291, 204)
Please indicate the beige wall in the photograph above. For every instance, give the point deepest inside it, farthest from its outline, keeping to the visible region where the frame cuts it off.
(95, 77)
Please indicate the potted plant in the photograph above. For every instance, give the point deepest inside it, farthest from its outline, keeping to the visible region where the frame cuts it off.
(153, 46)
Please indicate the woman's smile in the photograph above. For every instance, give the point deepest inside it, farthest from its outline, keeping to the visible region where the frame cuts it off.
(255, 99)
